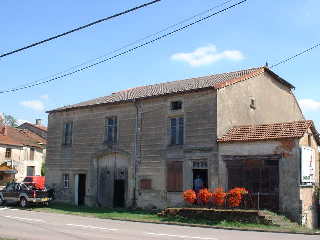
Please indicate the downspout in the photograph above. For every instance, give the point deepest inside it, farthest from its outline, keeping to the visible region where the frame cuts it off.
(135, 154)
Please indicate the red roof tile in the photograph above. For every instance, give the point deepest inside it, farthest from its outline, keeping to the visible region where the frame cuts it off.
(20, 137)
(215, 81)
(269, 131)
(41, 127)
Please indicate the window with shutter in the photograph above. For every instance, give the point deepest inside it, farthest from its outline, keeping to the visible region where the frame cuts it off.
(175, 176)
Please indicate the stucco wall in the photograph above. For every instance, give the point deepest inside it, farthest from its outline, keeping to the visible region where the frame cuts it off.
(274, 103)
(309, 214)
(21, 159)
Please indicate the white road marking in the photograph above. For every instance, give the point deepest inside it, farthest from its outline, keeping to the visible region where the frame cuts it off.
(5, 208)
(25, 219)
(92, 227)
(180, 236)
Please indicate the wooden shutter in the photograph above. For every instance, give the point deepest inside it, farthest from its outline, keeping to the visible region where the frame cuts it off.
(175, 176)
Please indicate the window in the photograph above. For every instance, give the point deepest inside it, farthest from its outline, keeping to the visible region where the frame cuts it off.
(176, 105)
(32, 150)
(111, 130)
(252, 103)
(8, 153)
(30, 171)
(309, 140)
(175, 176)
(145, 184)
(65, 180)
(67, 133)
(176, 131)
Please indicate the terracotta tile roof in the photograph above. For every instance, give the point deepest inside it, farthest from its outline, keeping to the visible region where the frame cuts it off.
(215, 81)
(20, 137)
(269, 131)
(41, 127)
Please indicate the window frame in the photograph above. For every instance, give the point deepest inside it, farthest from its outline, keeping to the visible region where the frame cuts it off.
(32, 154)
(6, 155)
(67, 133)
(176, 139)
(66, 180)
(113, 128)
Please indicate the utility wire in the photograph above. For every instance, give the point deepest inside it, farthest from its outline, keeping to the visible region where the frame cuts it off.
(78, 28)
(294, 56)
(126, 51)
(133, 43)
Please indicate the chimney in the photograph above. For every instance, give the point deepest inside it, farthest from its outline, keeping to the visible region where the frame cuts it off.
(3, 130)
(1, 119)
(38, 121)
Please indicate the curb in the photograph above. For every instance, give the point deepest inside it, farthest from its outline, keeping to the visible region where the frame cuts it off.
(192, 225)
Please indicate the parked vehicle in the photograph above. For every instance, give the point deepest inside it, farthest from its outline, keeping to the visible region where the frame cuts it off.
(37, 182)
(20, 193)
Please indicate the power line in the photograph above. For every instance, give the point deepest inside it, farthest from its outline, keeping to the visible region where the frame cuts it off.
(133, 43)
(297, 55)
(124, 52)
(78, 28)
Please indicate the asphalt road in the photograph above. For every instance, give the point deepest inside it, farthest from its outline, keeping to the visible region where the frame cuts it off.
(24, 224)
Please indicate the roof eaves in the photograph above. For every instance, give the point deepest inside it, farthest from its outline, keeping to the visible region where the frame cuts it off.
(66, 108)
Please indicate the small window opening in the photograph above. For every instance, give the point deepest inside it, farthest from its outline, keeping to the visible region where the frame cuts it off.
(176, 105)
(65, 180)
(8, 153)
(252, 103)
(309, 140)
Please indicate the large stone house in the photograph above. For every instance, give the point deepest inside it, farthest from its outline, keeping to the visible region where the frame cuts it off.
(22, 154)
(143, 146)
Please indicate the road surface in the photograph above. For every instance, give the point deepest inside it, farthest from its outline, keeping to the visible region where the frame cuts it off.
(28, 225)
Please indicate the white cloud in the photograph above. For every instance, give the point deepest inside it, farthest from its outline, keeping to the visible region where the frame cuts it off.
(309, 105)
(206, 55)
(33, 104)
(44, 97)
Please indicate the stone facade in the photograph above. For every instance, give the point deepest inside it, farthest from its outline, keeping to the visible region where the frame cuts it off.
(143, 158)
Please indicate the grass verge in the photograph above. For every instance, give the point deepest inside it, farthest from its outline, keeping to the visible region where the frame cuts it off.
(149, 216)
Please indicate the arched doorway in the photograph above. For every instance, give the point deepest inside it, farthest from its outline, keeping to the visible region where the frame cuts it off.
(112, 177)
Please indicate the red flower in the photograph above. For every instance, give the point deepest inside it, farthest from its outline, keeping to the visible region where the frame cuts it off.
(218, 196)
(189, 196)
(204, 195)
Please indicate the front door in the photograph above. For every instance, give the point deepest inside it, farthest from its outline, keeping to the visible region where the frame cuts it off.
(119, 193)
(81, 189)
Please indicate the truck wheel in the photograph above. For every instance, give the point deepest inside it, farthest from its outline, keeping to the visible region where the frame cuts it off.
(23, 202)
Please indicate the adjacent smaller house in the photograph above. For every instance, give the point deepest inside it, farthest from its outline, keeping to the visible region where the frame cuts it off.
(22, 153)
(279, 162)
(36, 128)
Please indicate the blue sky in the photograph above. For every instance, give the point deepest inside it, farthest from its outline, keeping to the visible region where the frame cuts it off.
(246, 36)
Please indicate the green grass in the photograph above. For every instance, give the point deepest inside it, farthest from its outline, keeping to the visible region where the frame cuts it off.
(149, 216)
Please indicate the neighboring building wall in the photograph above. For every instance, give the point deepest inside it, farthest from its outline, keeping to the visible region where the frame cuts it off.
(153, 150)
(309, 212)
(21, 160)
(273, 101)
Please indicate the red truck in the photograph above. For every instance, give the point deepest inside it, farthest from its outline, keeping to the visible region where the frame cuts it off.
(37, 182)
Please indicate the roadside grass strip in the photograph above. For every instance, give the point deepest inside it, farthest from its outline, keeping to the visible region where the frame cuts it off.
(92, 227)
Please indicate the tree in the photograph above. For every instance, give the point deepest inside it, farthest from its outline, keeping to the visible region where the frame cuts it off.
(8, 120)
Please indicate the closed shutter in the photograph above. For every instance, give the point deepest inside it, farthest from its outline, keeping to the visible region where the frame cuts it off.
(175, 176)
